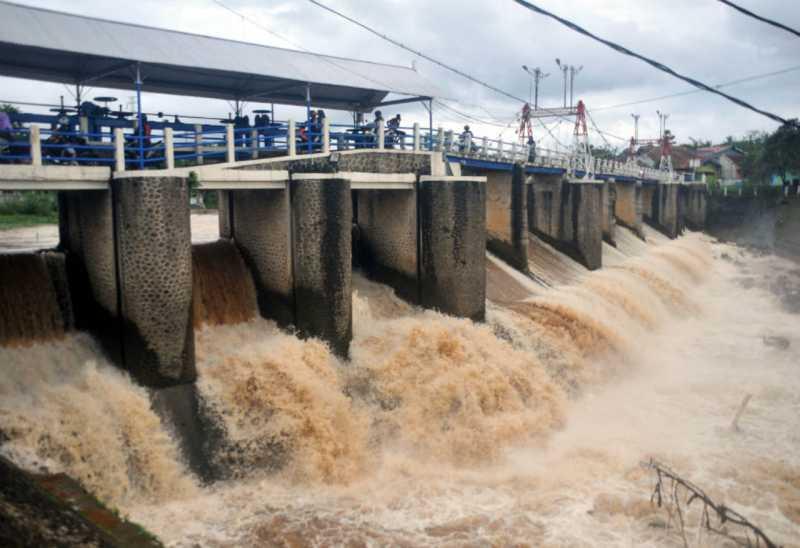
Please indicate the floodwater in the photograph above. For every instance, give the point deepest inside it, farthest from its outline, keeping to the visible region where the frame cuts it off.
(528, 430)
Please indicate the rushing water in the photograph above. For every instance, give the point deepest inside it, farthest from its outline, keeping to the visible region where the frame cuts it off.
(528, 429)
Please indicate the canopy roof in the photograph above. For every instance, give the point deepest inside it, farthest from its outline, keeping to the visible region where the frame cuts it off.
(48, 45)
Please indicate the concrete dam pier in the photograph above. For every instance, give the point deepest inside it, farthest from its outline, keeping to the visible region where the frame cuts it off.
(412, 220)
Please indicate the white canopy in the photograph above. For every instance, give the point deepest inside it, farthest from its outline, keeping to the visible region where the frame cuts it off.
(48, 45)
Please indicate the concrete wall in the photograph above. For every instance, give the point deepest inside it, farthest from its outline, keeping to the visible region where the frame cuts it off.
(322, 255)
(261, 228)
(452, 220)
(544, 206)
(225, 214)
(696, 207)
(582, 224)
(86, 230)
(648, 197)
(665, 208)
(628, 205)
(365, 161)
(569, 215)
(507, 214)
(609, 221)
(154, 251)
(387, 238)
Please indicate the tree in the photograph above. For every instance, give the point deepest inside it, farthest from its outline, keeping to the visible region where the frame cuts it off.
(782, 150)
(8, 109)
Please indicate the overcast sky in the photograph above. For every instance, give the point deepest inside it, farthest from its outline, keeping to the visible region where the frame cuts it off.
(491, 39)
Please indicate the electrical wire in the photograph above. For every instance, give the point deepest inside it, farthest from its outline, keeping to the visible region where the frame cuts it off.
(692, 91)
(760, 18)
(651, 62)
(416, 52)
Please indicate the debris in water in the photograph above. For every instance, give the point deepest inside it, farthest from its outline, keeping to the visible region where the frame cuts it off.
(735, 423)
(671, 491)
(775, 341)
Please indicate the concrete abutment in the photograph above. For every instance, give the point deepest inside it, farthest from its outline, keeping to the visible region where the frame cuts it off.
(628, 206)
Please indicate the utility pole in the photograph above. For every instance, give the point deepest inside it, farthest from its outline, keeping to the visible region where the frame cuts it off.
(572, 73)
(564, 69)
(635, 127)
(537, 76)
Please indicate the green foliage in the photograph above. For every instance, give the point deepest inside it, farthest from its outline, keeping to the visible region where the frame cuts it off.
(782, 150)
(30, 203)
(604, 152)
(9, 109)
(210, 199)
(28, 209)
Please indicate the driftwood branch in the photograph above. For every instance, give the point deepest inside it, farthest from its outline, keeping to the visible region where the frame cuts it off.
(677, 494)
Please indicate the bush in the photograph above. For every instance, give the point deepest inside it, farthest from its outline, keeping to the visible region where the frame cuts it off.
(30, 203)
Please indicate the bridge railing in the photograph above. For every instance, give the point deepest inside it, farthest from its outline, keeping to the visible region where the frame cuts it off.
(177, 145)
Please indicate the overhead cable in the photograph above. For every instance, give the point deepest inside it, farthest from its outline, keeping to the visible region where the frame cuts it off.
(651, 62)
(760, 18)
(417, 52)
(692, 91)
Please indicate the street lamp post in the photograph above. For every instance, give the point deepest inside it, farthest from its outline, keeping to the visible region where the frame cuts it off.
(537, 75)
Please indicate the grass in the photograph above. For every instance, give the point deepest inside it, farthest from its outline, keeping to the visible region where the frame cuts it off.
(7, 222)
(28, 209)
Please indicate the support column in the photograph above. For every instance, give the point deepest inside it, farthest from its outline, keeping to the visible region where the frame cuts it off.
(628, 205)
(581, 221)
(507, 216)
(452, 224)
(696, 212)
(154, 257)
(225, 213)
(609, 198)
(322, 214)
(262, 231)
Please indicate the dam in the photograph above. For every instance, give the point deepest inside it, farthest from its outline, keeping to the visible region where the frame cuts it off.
(369, 344)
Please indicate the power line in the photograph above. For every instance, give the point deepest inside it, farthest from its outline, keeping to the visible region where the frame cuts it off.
(416, 52)
(692, 91)
(651, 62)
(760, 18)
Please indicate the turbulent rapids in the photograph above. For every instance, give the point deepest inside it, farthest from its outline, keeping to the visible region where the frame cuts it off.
(526, 429)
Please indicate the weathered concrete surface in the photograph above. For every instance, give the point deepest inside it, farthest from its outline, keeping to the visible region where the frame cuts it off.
(544, 206)
(628, 205)
(452, 220)
(507, 214)
(682, 207)
(86, 229)
(569, 216)
(696, 206)
(582, 221)
(665, 209)
(609, 221)
(387, 237)
(225, 213)
(322, 214)
(261, 228)
(155, 278)
(648, 197)
(369, 161)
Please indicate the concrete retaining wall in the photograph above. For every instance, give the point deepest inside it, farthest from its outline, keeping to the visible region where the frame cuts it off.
(86, 230)
(609, 221)
(569, 215)
(452, 220)
(665, 209)
(261, 229)
(387, 238)
(628, 205)
(507, 215)
(696, 206)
